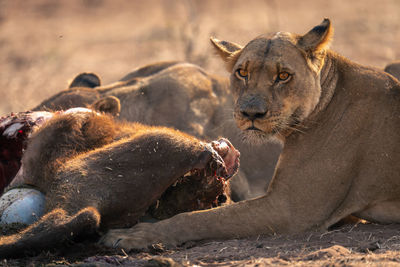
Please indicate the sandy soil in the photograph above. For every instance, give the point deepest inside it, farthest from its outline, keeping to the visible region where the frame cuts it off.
(44, 43)
(349, 245)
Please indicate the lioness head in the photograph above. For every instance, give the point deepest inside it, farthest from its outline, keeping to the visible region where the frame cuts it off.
(275, 80)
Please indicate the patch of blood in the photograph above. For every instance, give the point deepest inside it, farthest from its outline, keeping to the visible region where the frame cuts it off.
(15, 130)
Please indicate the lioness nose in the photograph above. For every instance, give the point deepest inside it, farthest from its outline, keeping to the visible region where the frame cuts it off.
(253, 107)
(253, 114)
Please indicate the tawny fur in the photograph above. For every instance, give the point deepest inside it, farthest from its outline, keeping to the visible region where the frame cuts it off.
(339, 122)
(97, 173)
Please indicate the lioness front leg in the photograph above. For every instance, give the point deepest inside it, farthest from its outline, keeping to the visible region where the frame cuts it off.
(210, 224)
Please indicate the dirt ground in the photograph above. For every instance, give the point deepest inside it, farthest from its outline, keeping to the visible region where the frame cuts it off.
(349, 245)
(44, 43)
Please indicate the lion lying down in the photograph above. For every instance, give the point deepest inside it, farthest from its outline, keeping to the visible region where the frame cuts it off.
(98, 173)
(340, 124)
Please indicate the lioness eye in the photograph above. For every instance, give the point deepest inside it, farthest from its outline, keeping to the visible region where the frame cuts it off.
(242, 73)
(283, 76)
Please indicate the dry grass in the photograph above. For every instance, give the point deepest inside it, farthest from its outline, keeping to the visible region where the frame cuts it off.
(43, 43)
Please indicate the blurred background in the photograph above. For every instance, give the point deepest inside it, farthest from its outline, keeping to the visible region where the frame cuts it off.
(45, 43)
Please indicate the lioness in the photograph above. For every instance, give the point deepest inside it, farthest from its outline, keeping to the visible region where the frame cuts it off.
(150, 93)
(339, 122)
(98, 173)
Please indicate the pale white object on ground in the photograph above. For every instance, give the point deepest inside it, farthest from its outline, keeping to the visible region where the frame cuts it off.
(21, 205)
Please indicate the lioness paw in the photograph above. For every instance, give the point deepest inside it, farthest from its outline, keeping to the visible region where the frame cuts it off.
(139, 237)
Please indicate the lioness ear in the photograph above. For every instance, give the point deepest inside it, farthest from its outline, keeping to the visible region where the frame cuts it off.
(318, 38)
(227, 51)
(108, 104)
(85, 79)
